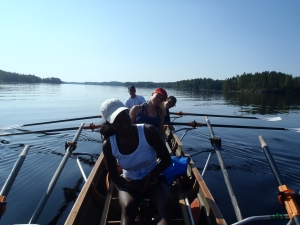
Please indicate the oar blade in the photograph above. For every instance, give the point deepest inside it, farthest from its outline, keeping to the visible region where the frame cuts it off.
(271, 119)
(294, 129)
(10, 128)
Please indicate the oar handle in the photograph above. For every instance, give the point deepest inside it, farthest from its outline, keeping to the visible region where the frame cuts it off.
(262, 141)
(271, 161)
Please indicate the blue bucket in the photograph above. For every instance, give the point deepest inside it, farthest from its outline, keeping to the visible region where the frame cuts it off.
(177, 168)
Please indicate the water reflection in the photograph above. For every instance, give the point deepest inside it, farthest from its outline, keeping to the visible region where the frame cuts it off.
(70, 196)
(201, 95)
(248, 103)
(10, 92)
(259, 103)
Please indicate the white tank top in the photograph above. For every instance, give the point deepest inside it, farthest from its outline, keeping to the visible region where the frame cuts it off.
(140, 162)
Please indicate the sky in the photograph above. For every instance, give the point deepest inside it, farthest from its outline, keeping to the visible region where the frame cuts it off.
(157, 40)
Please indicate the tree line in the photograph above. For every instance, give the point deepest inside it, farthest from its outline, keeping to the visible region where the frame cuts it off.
(258, 82)
(188, 85)
(263, 82)
(8, 77)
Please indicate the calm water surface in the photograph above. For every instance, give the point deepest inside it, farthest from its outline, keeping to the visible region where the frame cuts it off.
(251, 177)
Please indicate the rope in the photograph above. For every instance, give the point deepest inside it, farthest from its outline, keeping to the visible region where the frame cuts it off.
(72, 145)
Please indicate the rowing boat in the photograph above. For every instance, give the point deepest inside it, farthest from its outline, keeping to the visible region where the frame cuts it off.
(192, 201)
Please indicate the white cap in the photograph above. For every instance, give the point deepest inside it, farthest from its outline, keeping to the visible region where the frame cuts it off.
(111, 108)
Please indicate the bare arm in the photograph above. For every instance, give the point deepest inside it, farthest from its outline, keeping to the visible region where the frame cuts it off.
(111, 163)
(134, 112)
(161, 127)
(153, 138)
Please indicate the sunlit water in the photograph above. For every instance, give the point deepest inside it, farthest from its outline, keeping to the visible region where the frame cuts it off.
(250, 174)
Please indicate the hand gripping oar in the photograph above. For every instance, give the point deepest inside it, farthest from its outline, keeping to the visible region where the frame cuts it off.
(91, 126)
(54, 121)
(286, 196)
(270, 119)
(195, 124)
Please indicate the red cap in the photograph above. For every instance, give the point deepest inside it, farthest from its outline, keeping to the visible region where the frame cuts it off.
(162, 92)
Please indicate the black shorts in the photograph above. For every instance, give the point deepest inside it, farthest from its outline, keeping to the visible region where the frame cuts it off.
(161, 180)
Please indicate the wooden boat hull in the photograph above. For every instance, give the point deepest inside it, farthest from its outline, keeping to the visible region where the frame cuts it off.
(98, 203)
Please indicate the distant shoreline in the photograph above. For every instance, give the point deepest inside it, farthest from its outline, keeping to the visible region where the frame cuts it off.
(265, 82)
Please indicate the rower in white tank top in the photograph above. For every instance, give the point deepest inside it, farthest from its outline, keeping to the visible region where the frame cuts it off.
(140, 162)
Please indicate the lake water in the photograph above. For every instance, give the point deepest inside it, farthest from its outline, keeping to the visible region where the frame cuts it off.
(251, 177)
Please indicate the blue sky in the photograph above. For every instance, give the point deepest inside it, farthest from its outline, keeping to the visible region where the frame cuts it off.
(158, 40)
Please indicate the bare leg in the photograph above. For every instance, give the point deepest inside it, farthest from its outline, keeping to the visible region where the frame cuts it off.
(161, 196)
(129, 202)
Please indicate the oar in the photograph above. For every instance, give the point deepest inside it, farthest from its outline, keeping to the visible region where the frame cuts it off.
(92, 127)
(11, 179)
(217, 148)
(55, 177)
(287, 197)
(54, 121)
(195, 124)
(191, 124)
(270, 119)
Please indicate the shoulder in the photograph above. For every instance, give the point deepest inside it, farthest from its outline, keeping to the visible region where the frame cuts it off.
(150, 129)
(161, 109)
(151, 134)
(142, 98)
(135, 108)
(128, 99)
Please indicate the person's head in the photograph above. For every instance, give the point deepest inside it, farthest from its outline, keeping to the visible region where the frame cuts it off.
(131, 91)
(170, 102)
(159, 95)
(116, 115)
